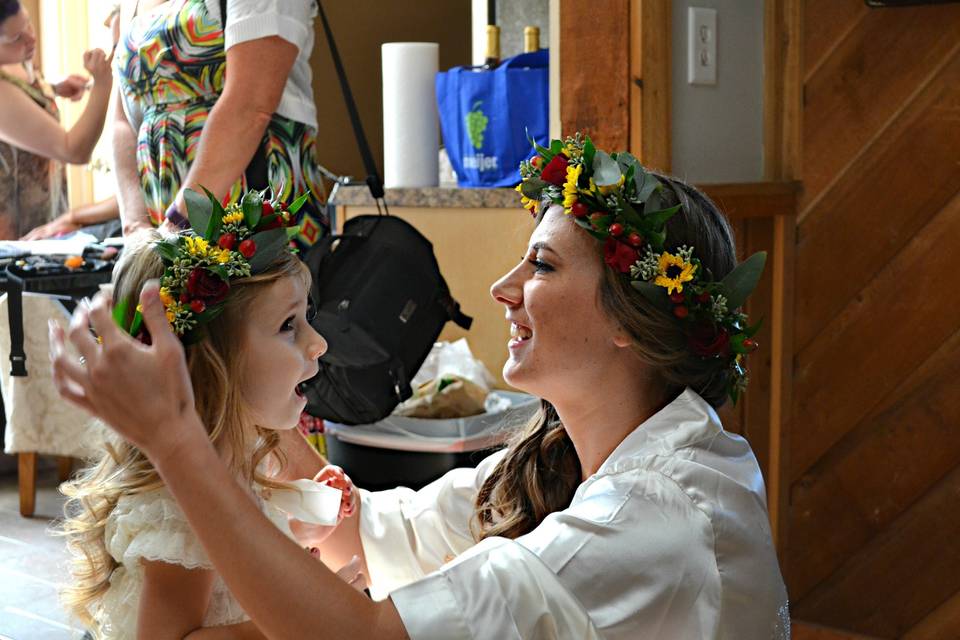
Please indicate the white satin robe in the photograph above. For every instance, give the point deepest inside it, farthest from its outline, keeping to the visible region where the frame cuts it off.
(669, 539)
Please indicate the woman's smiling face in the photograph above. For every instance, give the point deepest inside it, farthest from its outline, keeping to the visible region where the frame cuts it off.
(561, 338)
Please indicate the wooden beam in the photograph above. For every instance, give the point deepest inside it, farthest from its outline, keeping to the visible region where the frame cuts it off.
(754, 199)
(783, 138)
(594, 70)
(650, 80)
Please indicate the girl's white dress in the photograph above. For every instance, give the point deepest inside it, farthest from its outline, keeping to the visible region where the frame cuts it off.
(151, 526)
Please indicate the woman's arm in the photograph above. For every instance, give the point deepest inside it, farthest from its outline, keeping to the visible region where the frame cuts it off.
(135, 387)
(133, 211)
(24, 124)
(174, 601)
(258, 71)
(75, 218)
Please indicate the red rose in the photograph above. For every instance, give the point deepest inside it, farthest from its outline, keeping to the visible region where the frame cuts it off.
(618, 255)
(708, 340)
(207, 287)
(556, 170)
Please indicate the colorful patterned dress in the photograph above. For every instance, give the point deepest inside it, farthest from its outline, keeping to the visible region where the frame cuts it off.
(171, 65)
(33, 188)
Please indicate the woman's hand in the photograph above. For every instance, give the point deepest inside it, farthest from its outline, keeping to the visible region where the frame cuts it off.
(72, 87)
(97, 63)
(61, 225)
(142, 391)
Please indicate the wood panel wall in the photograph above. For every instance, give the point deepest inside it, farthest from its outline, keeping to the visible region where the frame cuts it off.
(874, 517)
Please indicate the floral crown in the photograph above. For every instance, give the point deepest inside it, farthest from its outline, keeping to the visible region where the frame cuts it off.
(614, 199)
(222, 243)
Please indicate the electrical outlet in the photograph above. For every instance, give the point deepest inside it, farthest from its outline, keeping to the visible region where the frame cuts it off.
(701, 46)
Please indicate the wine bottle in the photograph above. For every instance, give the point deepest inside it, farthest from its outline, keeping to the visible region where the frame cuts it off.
(531, 39)
(493, 47)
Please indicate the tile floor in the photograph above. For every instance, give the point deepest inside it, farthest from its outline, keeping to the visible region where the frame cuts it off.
(32, 563)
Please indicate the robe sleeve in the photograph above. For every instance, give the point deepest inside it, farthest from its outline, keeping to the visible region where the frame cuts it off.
(407, 534)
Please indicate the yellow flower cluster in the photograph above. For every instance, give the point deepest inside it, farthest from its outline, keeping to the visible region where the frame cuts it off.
(570, 186)
(200, 248)
(233, 218)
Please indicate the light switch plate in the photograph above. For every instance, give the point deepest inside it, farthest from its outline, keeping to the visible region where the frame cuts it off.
(701, 46)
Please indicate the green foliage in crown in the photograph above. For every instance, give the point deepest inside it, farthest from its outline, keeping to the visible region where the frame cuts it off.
(616, 200)
(221, 245)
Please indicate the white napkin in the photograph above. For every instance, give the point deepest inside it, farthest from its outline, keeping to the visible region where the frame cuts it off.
(309, 501)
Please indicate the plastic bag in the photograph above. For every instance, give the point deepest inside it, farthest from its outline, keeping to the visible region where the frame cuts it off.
(450, 384)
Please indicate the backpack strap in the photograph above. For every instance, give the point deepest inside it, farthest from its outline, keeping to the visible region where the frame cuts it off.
(458, 317)
(373, 177)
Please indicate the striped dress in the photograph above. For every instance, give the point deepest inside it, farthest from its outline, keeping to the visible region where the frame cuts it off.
(171, 65)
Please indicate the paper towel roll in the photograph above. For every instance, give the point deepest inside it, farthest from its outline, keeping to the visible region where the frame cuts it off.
(410, 121)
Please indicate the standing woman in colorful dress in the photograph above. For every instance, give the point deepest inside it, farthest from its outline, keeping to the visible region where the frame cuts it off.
(33, 144)
(214, 93)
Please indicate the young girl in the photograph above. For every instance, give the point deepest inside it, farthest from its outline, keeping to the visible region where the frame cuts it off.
(237, 298)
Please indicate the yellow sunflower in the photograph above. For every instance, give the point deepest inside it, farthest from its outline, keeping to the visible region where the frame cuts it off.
(570, 186)
(527, 203)
(672, 272)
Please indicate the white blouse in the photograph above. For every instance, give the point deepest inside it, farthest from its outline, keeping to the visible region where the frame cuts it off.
(291, 20)
(669, 539)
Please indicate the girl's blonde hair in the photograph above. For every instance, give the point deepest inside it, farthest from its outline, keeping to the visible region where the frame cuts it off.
(541, 471)
(215, 364)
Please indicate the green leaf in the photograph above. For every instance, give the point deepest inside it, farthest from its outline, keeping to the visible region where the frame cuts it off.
(556, 146)
(628, 213)
(252, 205)
(646, 183)
(293, 208)
(136, 323)
(606, 171)
(752, 331)
(589, 151)
(654, 201)
(655, 294)
(167, 249)
(292, 231)
(199, 210)
(543, 151)
(532, 188)
(626, 160)
(740, 282)
(659, 218)
(120, 313)
(269, 245)
(212, 231)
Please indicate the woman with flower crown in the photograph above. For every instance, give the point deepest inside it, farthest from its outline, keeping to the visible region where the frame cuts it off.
(237, 298)
(623, 510)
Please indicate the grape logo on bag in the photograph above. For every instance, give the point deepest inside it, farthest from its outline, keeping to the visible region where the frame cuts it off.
(476, 124)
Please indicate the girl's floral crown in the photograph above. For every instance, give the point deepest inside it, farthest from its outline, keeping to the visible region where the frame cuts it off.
(614, 199)
(238, 241)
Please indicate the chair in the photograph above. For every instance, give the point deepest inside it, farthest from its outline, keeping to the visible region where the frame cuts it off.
(38, 421)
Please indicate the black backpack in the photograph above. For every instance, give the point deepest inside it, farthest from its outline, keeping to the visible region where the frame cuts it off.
(380, 302)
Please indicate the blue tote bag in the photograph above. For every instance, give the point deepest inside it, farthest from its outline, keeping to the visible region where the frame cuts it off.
(486, 116)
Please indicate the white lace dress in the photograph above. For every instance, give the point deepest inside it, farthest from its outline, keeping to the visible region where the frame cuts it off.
(151, 526)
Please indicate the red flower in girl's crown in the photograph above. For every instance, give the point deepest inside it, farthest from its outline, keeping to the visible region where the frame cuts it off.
(207, 287)
(556, 170)
(619, 255)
